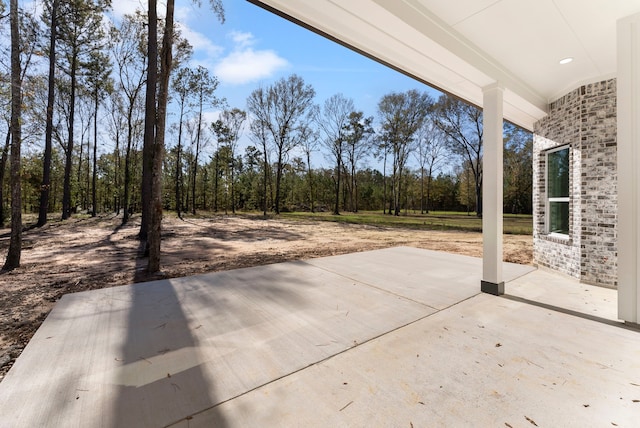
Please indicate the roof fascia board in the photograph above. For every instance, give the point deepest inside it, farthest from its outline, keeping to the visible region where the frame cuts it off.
(298, 17)
(518, 110)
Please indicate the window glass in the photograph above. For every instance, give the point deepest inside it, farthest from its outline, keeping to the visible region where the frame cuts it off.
(558, 170)
(559, 217)
(558, 191)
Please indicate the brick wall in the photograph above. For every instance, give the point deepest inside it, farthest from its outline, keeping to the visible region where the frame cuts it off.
(584, 119)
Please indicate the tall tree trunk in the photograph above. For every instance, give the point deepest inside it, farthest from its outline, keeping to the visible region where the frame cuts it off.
(278, 180)
(126, 200)
(45, 187)
(3, 168)
(428, 204)
(66, 190)
(266, 176)
(399, 193)
(355, 190)
(178, 176)
(193, 182)
(117, 194)
(422, 190)
(94, 177)
(87, 181)
(195, 161)
(216, 181)
(354, 187)
(336, 207)
(479, 199)
(204, 189)
(394, 186)
(15, 241)
(149, 120)
(384, 185)
(193, 179)
(79, 192)
(233, 178)
(127, 184)
(310, 180)
(155, 225)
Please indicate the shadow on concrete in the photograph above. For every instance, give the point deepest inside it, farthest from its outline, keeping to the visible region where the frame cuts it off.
(160, 380)
(571, 312)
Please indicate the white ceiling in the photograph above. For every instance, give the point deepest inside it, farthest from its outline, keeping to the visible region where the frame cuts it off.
(460, 46)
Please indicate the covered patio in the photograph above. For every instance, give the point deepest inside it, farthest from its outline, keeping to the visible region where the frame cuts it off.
(394, 337)
(512, 59)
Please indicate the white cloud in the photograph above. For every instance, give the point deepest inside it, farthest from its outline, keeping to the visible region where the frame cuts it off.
(127, 7)
(210, 116)
(199, 41)
(248, 65)
(241, 39)
(183, 15)
(244, 64)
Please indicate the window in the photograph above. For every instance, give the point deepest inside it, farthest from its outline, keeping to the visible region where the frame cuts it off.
(558, 191)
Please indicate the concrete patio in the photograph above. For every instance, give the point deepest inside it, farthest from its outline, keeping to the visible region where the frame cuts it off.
(396, 337)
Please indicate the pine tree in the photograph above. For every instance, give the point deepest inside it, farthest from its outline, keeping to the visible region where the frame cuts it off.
(15, 241)
(80, 34)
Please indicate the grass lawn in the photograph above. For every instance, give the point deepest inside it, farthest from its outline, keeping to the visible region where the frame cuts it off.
(520, 224)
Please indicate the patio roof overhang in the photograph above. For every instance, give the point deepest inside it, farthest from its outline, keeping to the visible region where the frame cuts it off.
(506, 57)
(461, 47)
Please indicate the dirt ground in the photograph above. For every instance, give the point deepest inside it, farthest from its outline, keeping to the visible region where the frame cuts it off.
(83, 254)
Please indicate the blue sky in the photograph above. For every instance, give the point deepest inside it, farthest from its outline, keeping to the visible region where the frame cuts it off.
(255, 47)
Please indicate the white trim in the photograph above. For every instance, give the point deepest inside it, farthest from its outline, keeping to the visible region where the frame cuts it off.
(492, 184)
(628, 140)
(557, 235)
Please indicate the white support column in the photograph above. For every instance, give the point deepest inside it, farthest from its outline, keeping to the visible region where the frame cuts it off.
(492, 171)
(628, 112)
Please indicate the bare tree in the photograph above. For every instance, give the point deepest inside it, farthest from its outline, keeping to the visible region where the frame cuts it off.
(259, 134)
(462, 124)
(99, 85)
(401, 115)
(182, 89)
(332, 120)
(203, 85)
(358, 133)
(229, 129)
(131, 67)
(518, 169)
(283, 109)
(309, 145)
(431, 151)
(116, 125)
(80, 30)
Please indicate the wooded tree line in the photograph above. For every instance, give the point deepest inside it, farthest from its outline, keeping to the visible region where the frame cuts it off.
(95, 129)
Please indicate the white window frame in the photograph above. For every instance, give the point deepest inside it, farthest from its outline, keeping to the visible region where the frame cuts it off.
(548, 200)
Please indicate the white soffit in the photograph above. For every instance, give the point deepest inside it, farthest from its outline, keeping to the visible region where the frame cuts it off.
(463, 45)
